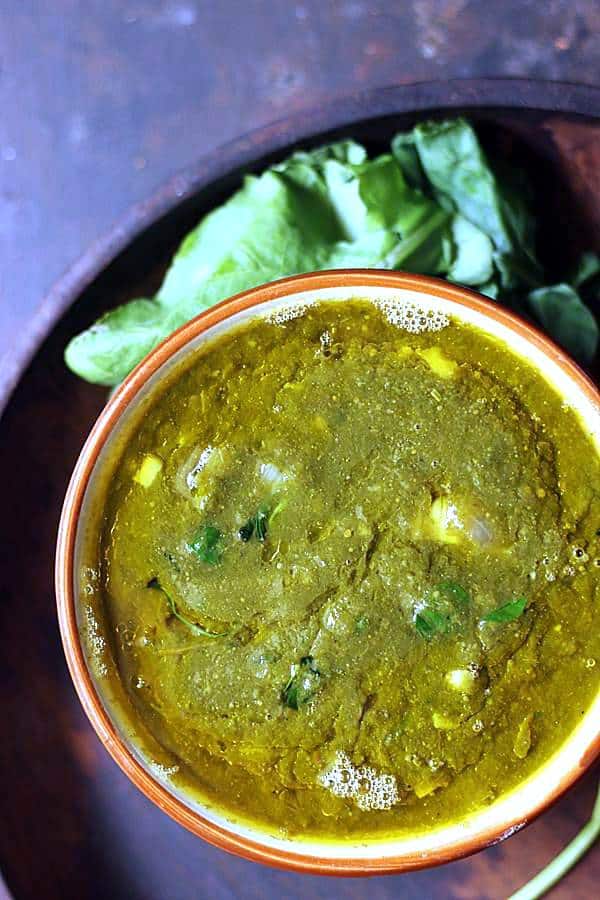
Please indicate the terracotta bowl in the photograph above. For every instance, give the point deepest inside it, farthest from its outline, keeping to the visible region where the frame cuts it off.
(505, 816)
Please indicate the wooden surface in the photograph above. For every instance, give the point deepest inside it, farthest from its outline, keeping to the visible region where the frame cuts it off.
(101, 101)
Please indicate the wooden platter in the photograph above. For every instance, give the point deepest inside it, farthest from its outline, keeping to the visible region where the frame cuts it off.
(72, 825)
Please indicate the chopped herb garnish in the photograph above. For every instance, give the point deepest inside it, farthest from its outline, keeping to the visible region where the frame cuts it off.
(262, 521)
(444, 606)
(454, 592)
(207, 545)
(247, 530)
(155, 584)
(258, 523)
(277, 510)
(508, 612)
(361, 624)
(430, 622)
(303, 684)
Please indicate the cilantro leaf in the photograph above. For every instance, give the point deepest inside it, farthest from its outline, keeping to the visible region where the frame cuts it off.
(303, 684)
(207, 545)
(508, 612)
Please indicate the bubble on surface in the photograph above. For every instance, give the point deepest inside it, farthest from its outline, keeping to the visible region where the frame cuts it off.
(287, 313)
(95, 642)
(369, 789)
(410, 316)
(161, 771)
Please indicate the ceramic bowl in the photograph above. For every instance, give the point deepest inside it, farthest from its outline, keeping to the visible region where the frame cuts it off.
(350, 857)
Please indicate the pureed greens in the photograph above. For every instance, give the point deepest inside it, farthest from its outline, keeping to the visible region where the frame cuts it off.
(347, 573)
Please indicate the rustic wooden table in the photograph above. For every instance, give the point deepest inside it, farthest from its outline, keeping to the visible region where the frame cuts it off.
(100, 102)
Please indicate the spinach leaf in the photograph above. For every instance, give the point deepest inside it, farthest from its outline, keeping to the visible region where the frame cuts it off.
(587, 269)
(562, 313)
(473, 262)
(207, 545)
(108, 351)
(154, 584)
(508, 612)
(303, 684)
(433, 205)
(405, 152)
(461, 178)
(328, 208)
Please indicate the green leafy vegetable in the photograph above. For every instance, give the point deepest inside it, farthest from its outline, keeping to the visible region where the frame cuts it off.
(107, 351)
(207, 545)
(443, 609)
(246, 530)
(586, 270)
(430, 622)
(561, 311)
(462, 180)
(508, 612)
(361, 624)
(405, 153)
(474, 259)
(261, 522)
(460, 177)
(434, 205)
(303, 684)
(154, 584)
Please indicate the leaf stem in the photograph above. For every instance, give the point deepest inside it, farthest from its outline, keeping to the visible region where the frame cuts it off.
(154, 584)
(565, 860)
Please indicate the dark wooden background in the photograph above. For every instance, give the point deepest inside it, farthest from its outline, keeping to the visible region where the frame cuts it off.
(100, 101)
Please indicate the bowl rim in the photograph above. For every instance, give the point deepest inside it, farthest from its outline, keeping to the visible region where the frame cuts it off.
(89, 697)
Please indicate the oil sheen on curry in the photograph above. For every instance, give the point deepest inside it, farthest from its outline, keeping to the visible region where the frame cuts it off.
(345, 578)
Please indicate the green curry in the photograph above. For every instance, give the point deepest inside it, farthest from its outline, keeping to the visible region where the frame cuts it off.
(346, 574)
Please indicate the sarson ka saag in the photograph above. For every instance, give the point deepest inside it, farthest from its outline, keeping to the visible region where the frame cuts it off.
(345, 572)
